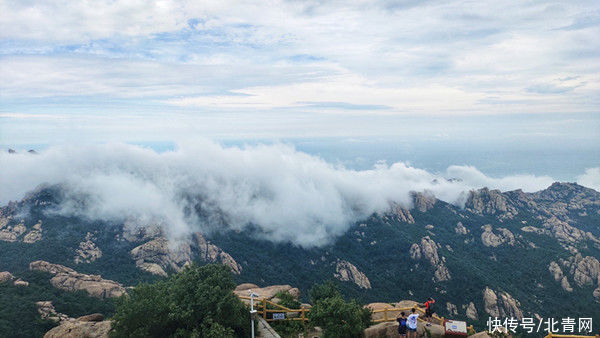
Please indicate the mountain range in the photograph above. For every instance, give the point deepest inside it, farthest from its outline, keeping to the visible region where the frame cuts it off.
(502, 254)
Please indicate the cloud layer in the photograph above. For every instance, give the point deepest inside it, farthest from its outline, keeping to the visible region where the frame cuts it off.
(287, 194)
(404, 57)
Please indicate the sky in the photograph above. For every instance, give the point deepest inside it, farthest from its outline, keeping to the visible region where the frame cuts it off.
(511, 87)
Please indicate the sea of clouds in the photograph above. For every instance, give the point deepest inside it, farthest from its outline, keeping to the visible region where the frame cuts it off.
(202, 186)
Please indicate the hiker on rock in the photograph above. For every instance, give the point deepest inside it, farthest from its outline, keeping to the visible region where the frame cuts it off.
(402, 325)
(411, 323)
(429, 310)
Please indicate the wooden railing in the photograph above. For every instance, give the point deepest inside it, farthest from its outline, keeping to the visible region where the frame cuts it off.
(261, 306)
(396, 312)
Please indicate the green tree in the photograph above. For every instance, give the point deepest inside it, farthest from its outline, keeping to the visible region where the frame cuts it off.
(323, 291)
(334, 315)
(288, 328)
(197, 302)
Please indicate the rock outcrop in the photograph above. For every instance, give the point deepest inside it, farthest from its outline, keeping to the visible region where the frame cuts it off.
(347, 272)
(460, 229)
(451, 309)
(158, 255)
(558, 275)
(490, 202)
(501, 304)
(267, 292)
(471, 311)
(70, 280)
(47, 311)
(428, 250)
(88, 251)
(565, 232)
(504, 236)
(401, 214)
(415, 251)
(385, 329)
(585, 270)
(211, 253)
(11, 233)
(20, 282)
(35, 234)
(90, 326)
(6, 276)
(424, 201)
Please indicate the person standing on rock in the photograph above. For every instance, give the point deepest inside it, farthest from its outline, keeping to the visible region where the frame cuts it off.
(402, 325)
(429, 311)
(411, 323)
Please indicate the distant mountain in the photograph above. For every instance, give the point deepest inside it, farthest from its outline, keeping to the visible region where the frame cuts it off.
(511, 254)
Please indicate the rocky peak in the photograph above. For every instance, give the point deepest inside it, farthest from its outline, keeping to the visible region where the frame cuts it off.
(423, 201)
(428, 250)
(585, 270)
(489, 238)
(401, 214)
(159, 255)
(347, 272)
(501, 304)
(562, 191)
(211, 253)
(558, 275)
(521, 199)
(471, 311)
(489, 202)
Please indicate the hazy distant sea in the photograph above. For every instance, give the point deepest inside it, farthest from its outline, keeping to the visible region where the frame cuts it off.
(562, 161)
(559, 159)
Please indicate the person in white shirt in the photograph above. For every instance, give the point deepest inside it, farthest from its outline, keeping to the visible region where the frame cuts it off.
(411, 323)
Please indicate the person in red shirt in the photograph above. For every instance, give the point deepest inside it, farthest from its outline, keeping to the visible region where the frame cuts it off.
(429, 310)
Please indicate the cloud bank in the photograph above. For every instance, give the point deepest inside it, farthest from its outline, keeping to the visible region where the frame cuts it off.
(590, 179)
(202, 186)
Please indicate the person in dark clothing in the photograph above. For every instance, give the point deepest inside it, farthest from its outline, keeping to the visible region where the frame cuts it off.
(429, 309)
(402, 325)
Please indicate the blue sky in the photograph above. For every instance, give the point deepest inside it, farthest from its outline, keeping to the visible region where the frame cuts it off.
(486, 73)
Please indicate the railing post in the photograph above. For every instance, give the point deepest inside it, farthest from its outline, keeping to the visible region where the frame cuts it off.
(264, 309)
(385, 314)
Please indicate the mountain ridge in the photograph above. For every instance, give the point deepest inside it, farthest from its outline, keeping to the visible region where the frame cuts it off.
(504, 253)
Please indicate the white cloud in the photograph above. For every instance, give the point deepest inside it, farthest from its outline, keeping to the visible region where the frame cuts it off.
(590, 179)
(290, 195)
